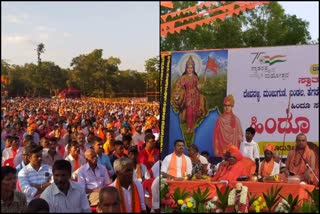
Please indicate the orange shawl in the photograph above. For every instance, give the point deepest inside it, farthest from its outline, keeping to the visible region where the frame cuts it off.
(266, 167)
(173, 165)
(14, 152)
(296, 164)
(135, 202)
(150, 155)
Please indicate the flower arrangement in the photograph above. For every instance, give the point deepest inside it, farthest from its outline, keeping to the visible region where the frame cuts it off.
(167, 203)
(238, 199)
(211, 206)
(282, 207)
(310, 206)
(272, 197)
(259, 204)
(221, 202)
(188, 205)
(179, 197)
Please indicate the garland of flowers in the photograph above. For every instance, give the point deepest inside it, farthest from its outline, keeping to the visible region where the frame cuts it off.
(243, 196)
(161, 72)
(164, 102)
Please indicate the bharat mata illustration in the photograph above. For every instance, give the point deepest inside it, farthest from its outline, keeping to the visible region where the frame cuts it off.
(198, 86)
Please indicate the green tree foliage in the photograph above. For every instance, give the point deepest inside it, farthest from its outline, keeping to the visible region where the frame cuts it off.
(91, 73)
(266, 25)
(40, 50)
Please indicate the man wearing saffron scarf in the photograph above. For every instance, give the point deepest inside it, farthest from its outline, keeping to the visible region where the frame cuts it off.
(298, 158)
(227, 130)
(176, 164)
(131, 191)
(268, 167)
(150, 154)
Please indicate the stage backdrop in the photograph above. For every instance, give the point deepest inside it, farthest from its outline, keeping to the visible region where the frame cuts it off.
(260, 79)
(263, 79)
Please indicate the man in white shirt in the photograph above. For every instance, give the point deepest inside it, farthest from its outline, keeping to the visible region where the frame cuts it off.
(12, 151)
(249, 148)
(123, 167)
(176, 165)
(199, 162)
(36, 176)
(64, 195)
(93, 176)
(138, 136)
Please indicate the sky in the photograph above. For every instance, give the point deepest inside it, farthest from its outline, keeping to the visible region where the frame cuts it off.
(306, 10)
(127, 30)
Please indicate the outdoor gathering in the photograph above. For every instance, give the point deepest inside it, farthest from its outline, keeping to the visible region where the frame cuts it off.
(160, 107)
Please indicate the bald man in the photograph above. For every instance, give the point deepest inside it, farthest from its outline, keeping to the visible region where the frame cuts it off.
(93, 176)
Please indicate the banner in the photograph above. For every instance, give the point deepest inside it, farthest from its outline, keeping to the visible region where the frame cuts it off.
(263, 80)
(193, 97)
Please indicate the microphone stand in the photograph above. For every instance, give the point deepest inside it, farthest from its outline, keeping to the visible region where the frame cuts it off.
(285, 132)
(308, 166)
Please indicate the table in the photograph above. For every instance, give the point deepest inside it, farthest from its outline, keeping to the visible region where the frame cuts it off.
(256, 188)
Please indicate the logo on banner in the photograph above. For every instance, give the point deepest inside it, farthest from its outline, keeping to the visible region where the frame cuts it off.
(263, 66)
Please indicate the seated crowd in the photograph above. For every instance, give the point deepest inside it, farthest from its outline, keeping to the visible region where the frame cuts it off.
(78, 156)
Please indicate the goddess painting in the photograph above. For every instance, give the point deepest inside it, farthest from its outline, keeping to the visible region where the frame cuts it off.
(186, 97)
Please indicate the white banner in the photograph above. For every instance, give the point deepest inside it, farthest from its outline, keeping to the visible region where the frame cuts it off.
(263, 79)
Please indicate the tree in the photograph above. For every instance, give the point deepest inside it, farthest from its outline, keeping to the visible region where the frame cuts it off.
(40, 49)
(266, 25)
(96, 76)
(152, 66)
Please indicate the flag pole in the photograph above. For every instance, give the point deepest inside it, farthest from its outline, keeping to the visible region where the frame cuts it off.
(205, 71)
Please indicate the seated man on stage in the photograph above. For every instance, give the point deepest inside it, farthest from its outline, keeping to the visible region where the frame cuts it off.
(233, 167)
(199, 162)
(268, 167)
(176, 164)
(301, 161)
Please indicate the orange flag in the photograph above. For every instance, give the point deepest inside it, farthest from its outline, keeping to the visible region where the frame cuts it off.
(167, 4)
(212, 65)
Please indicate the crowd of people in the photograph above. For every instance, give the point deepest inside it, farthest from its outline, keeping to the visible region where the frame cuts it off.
(79, 155)
(87, 155)
(244, 163)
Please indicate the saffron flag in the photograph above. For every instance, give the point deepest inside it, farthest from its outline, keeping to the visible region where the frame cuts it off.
(212, 65)
(167, 4)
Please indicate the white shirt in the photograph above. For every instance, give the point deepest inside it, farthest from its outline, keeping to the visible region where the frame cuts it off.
(73, 165)
(75, 200)
(93, 180)
(166, 162)
(137, 137)
(28, 175)
(144, 173)
(155, 169)
(250, 150)
(7, 154)
(127, 195)
(203, 160)
(155, 193)
(275, 170)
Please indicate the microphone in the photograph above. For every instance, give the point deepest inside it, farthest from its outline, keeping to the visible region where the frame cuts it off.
(308, 166)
